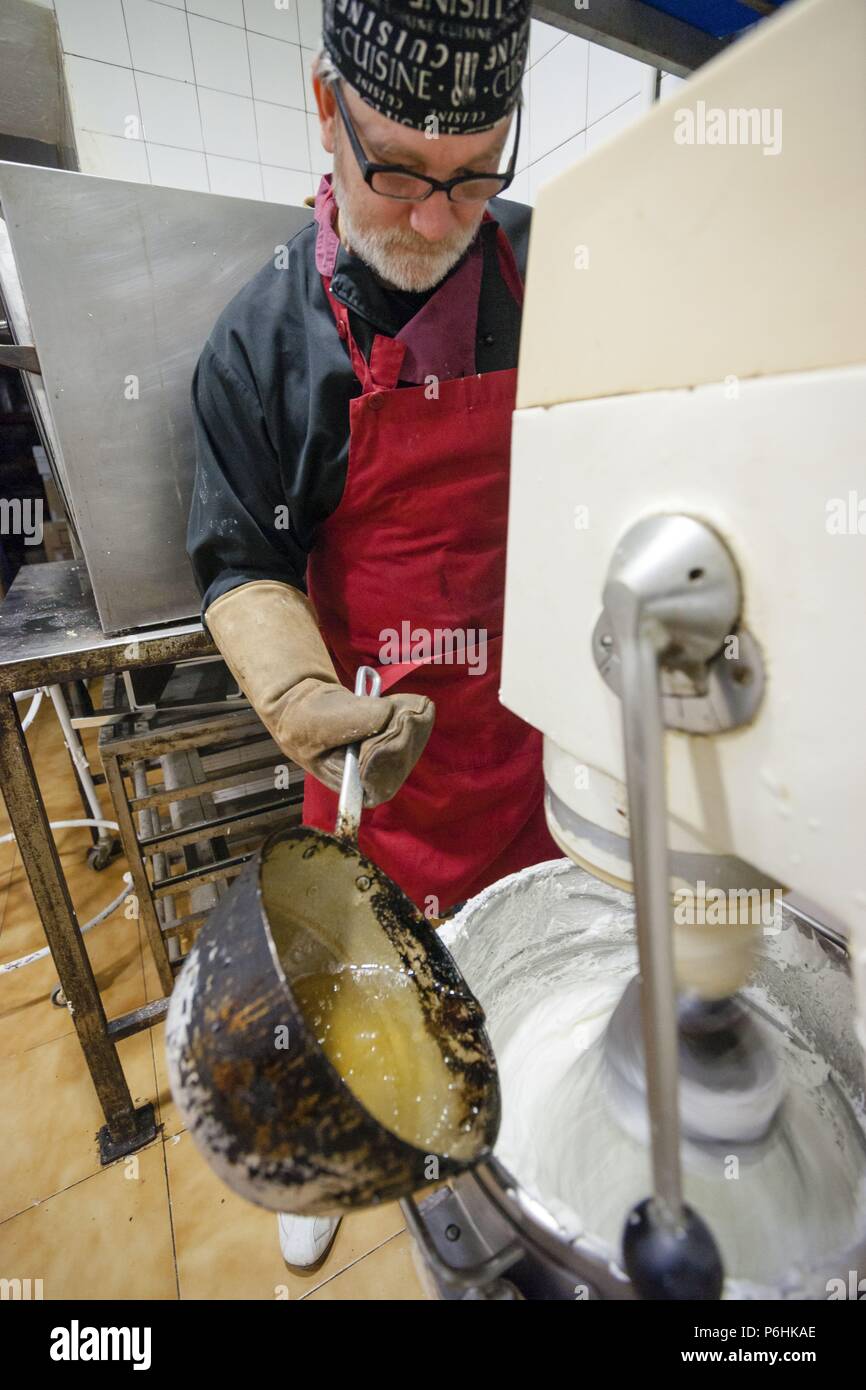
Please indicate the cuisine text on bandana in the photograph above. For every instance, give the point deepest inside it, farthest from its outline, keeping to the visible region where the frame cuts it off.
(450, 67)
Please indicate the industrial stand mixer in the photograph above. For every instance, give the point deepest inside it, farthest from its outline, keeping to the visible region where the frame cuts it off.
(687, 456)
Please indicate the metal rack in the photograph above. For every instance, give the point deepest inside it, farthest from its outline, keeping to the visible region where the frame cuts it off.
(50, 633)
(194, 796)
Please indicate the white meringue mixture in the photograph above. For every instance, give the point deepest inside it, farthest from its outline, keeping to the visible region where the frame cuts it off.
(780, 1208)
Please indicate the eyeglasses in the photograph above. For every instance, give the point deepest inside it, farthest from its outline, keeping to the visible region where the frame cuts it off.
(395, 181)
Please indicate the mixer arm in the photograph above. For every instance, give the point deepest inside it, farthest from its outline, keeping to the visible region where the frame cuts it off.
(672, 596)
(640, 640)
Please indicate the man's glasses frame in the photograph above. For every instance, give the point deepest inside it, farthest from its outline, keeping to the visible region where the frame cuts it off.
(369, 169)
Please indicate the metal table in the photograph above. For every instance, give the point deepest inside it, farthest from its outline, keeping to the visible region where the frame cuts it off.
(50, 634)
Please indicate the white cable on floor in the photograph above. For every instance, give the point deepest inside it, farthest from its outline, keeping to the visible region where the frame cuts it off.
(96, 821)
(33, 710)
(94, 921)
(67, 825)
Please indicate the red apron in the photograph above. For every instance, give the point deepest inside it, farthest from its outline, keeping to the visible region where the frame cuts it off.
(419, 538)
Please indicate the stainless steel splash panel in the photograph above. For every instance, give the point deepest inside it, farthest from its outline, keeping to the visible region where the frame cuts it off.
(122, 284)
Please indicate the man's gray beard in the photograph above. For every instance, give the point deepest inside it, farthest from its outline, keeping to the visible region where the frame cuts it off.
(393, 252)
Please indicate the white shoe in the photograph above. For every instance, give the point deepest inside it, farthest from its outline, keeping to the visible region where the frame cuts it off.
(305, 1240)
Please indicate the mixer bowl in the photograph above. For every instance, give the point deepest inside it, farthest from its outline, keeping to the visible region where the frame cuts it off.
(519, 943)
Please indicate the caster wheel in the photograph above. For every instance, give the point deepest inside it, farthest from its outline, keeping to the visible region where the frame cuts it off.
(100, 856)
(58, 998)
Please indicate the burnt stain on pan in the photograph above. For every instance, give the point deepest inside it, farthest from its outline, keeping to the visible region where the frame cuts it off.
(278, 1123)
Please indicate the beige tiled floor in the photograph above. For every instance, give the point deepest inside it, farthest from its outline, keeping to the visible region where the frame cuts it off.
(158, 1225)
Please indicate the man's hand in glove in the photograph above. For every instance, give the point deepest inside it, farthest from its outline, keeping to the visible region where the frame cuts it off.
(269, 638)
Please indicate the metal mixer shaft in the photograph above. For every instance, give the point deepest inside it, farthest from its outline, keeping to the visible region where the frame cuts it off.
(672, 597)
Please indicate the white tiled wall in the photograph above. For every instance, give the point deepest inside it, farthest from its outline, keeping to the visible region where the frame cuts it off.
(202, 94)
(576, 95)
(216, 94)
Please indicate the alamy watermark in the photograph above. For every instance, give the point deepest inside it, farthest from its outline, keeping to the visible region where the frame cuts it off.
(448, 646)
(77, 1343)
(22, 516)
(21, 1290)
(846, 516)
(713, 125)
(732, 907)
(854, 1290)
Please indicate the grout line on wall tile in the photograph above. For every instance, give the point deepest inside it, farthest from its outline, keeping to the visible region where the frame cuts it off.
(226, 23)
(182, 81)
(137, 94)
(197, 99)
(530, 66)
(618, 107)
(307, 114)
(575, 134)
(286, 168)
(307, 75)
(86, 57)
(160, 144)
(553, 148)
(216, 154)
(247, 28)
(284, 104)
(276, 38)
(253, 100)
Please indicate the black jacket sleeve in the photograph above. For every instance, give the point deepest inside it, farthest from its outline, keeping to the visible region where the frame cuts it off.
(239, 525)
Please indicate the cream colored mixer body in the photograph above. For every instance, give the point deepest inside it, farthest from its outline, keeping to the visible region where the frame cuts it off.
(694, 345)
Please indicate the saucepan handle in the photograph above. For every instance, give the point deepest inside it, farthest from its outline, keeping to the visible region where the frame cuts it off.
(367, 682)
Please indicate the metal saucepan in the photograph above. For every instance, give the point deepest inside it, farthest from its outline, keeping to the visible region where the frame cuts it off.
(271, 1113)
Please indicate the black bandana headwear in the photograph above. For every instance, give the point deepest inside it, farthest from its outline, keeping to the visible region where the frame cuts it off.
(454, 66)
